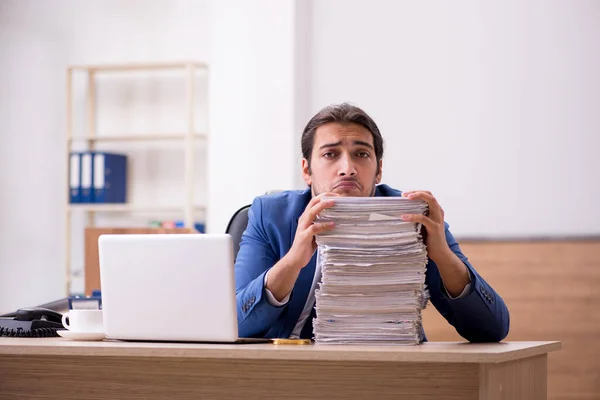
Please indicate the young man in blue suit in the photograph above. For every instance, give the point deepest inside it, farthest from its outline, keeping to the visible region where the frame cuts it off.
(276, 272)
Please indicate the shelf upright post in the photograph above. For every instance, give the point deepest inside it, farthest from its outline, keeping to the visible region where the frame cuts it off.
(91, 108)
(189, 149)
(69, 134)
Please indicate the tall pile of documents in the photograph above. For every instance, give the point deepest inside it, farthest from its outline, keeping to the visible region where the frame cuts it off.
(373, 264)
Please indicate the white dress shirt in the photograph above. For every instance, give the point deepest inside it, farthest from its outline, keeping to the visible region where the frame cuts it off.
(310, 301)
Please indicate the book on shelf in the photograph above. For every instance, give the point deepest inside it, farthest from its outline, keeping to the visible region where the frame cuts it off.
(97, 177)
(75, 178)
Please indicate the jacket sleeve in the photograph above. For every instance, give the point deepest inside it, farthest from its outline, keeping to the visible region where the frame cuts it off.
(480, 316)
(255, 315)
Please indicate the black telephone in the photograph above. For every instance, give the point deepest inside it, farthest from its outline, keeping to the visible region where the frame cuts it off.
(31, 322)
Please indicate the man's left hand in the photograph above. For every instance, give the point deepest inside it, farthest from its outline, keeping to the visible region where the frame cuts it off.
(453, 271)
(437, 247)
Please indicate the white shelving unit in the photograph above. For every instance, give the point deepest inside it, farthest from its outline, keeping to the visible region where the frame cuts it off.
(188, 138)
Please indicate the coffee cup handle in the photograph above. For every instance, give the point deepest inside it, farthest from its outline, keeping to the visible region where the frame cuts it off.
(64, 321)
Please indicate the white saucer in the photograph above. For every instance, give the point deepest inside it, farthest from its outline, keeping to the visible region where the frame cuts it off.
(81, 335)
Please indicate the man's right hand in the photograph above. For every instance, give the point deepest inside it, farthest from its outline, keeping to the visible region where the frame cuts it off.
(305, 244)
(282, 277)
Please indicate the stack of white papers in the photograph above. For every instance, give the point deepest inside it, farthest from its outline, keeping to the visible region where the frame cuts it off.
(373, 267)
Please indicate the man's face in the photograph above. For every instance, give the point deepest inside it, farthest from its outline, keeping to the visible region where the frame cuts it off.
(343, 161)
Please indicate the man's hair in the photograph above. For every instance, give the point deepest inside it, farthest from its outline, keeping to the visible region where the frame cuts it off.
(344, 114)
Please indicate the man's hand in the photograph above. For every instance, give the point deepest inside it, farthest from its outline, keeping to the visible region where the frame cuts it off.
(304, 245)
(283, 275)
(453, 271)
(435, 239)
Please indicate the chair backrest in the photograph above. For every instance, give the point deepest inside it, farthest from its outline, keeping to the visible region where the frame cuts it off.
(236, 227)
(238, 223)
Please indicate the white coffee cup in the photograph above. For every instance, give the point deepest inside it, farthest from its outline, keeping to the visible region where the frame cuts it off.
(88, 321)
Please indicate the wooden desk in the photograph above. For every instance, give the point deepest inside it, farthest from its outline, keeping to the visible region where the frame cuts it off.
(56, 368)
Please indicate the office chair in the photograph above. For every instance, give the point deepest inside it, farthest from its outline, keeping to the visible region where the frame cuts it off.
(238, 223)
(236, 227)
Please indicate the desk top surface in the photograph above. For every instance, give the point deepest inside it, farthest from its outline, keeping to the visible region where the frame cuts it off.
(426, 352)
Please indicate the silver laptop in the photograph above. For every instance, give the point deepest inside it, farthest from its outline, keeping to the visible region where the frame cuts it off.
(168, 287)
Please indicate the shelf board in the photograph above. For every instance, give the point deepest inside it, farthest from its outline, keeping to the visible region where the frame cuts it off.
(138, 66)
(138, 138)
(129, 208)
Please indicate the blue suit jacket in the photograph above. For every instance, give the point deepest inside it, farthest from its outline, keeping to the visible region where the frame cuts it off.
(481, 316)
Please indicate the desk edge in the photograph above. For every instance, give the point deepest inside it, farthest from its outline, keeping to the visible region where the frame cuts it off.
(289, 352)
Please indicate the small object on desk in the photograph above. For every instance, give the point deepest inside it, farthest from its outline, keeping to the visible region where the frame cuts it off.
(291, 341)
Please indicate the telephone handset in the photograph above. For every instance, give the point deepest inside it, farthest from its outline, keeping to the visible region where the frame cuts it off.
(31, 322)
(43, 314)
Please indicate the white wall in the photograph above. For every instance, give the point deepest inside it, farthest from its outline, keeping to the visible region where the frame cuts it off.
(493, 106)
(253, 105)
(252, 49)
(37, 43)
(32, 157)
